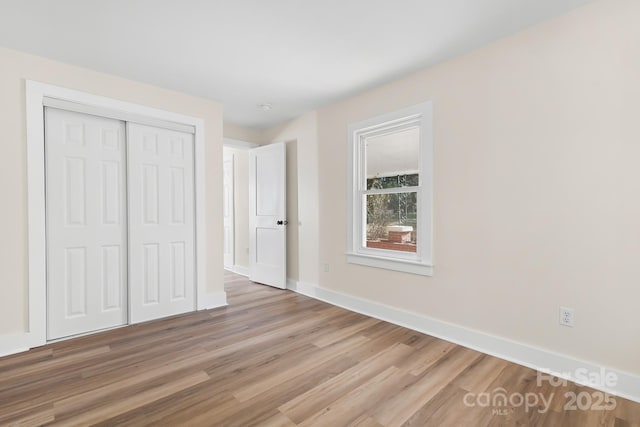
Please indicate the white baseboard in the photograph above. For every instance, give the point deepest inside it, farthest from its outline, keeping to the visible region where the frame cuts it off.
(15, 343)
(238, 269)
(214, 300)
(628, 385)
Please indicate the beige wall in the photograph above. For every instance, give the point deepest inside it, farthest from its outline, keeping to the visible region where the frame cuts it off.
(537, 187)
(301, 136)
(241, 133)
(241, 204)
(15, 67)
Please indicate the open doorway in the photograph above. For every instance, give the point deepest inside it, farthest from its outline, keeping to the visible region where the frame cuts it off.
(236, 205)
(228, 211)
(240, 233)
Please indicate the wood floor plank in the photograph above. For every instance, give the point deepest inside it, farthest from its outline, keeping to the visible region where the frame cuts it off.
(395, 411)
(52, 363)
(34, 419)
(21, 359)
(321, 356)
(103, 392)
(627, 410)
(172, 410)
(481, 374)
(353, 404)
(324, 394)
(447, 408)
(261, 407)
(67, 386)
(343, 333)
(365, 421)
(278, 420)
(276, 358)
(430, 356)
(126, 402)
(33, 415)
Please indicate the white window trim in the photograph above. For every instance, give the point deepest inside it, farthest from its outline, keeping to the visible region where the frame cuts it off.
(37, 96)
(420, 262)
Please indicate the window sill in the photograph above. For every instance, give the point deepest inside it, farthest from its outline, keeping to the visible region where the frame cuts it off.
(405, 266)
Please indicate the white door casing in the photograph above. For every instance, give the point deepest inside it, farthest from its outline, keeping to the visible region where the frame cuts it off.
(161, 222)
(267, 215)
(86, 223)
(228, 207)
(39, 95)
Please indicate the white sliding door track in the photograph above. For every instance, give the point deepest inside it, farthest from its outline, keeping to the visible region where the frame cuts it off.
(116, 114)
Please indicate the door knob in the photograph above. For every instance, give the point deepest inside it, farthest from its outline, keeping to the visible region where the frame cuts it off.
(281, 222)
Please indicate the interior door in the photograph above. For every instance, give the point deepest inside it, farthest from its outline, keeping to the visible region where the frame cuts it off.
(228, 208)
(86, 223)
(161, 222)
(267, 215)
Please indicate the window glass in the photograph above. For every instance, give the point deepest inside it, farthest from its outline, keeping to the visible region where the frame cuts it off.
(393, 156)
(392, 221)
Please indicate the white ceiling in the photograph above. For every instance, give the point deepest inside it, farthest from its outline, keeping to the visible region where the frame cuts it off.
(295, 54)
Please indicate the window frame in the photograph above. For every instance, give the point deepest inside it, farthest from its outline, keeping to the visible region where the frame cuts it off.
(421, 261)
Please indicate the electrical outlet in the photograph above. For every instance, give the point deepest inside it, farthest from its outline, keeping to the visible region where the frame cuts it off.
(326, 268)
(566, 316)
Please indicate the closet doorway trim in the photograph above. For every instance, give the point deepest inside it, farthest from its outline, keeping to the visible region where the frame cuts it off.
(37, 96)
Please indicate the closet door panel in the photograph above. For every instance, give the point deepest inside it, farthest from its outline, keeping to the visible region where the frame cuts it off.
(161, 222)
(86, 223)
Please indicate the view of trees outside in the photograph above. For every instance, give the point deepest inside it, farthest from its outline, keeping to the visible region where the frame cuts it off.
(391, 209)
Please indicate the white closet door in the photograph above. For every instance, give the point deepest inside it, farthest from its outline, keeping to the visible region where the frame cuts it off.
(86, 223)
(161, 222)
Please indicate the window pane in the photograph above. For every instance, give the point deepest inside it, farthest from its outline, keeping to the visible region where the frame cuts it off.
(410, 180)
(391, 221)
(392, 159)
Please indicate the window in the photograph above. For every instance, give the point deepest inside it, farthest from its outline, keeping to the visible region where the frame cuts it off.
(390, 187)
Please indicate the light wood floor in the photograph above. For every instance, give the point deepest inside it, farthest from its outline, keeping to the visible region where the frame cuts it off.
(275, 358)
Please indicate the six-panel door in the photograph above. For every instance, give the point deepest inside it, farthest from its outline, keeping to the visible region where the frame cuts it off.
(120, 223)
(86, 223)
(161, 222)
